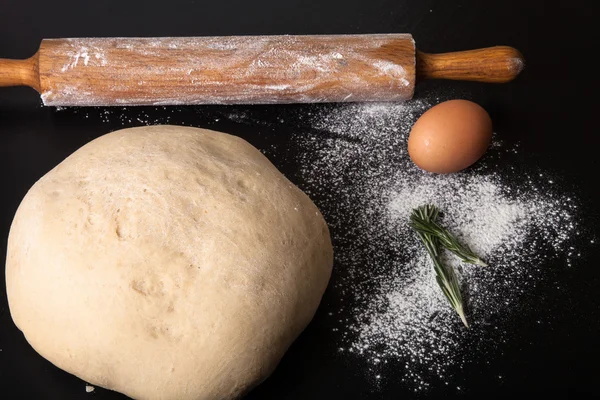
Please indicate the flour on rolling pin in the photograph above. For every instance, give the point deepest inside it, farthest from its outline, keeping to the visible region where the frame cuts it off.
(226, 70)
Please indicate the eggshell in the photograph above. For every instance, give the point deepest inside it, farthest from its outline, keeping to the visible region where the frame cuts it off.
(450, 136)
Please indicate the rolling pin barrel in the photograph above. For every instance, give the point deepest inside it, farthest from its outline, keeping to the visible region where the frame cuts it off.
(227, 70)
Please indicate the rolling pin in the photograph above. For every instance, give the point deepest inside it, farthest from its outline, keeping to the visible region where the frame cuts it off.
(245, 69)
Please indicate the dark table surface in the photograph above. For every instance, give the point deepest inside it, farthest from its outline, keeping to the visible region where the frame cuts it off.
(549, 110)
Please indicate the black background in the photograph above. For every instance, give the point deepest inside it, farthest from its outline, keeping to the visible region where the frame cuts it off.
(549, 110)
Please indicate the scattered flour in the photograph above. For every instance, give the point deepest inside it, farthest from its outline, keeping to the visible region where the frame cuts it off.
(515, 220)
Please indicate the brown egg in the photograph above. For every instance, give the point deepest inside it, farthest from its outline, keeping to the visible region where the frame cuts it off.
(450, 136)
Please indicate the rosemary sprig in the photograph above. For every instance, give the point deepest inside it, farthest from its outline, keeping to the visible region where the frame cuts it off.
(445, 276)
(445, 238)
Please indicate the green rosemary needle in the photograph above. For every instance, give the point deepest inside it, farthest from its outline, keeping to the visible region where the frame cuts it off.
(445, 276)
(445, 238)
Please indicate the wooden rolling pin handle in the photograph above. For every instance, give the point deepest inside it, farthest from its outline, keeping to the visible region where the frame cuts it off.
(497, 64)
(20, 72)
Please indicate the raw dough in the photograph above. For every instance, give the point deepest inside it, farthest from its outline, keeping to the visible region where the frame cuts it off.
(166, 263)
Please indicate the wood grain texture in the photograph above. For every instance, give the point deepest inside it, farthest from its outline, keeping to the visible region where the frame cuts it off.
(227, 70)
(20, 72)
(497, 64)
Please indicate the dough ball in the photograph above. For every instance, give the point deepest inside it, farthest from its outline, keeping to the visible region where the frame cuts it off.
(166, 263)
